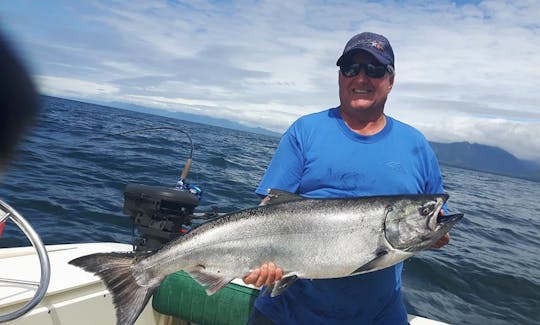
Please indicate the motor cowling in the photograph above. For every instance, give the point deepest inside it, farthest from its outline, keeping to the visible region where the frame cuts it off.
(160, 214)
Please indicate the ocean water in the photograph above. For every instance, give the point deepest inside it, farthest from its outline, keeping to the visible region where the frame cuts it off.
(68, 181)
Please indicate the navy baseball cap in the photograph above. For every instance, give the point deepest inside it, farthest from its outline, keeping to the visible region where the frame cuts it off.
(375, 44)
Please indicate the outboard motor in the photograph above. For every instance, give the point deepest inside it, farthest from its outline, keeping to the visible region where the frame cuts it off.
(160, 214)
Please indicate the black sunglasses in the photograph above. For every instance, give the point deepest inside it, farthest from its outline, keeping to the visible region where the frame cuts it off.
(372, 70)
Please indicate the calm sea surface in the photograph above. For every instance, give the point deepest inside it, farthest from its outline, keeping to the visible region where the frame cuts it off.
(70, 188)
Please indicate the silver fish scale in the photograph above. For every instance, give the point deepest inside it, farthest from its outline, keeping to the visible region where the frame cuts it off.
(313, 238)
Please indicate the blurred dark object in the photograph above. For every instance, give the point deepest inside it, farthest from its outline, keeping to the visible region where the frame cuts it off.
(19, 101)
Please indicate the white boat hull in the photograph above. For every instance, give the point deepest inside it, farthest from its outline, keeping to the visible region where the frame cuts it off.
(74, 296)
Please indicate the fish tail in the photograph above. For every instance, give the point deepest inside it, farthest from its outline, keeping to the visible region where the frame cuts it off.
(115, 269)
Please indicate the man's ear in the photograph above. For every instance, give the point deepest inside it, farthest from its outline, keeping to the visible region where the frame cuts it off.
(391, 80)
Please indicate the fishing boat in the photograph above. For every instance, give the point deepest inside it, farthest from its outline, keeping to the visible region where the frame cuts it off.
(38, 286)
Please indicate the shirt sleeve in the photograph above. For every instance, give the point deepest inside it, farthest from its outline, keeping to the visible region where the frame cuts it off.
(286, 167)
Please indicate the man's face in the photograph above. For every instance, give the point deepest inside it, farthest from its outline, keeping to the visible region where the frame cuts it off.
(362, 93)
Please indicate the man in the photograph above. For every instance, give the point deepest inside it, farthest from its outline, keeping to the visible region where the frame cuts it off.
(348, 151)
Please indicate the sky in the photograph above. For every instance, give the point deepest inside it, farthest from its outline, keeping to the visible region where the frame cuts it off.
(465, 70)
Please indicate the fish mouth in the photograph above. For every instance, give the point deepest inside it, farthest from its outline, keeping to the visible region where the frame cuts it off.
(433, 221)
(444, 224)
(452, 218)
(440, 224)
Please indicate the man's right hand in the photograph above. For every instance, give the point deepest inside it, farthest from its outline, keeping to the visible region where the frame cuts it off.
(266, 274)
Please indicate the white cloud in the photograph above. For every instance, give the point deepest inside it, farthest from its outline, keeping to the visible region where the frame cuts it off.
(73, 87)
(465, 71)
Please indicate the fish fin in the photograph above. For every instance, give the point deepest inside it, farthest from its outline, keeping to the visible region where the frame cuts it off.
(279, 196)
(115, 269)
(212, 283)
(374, 264)
(283, 284)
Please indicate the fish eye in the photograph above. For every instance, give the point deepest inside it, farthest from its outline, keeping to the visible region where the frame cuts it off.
(426, 210)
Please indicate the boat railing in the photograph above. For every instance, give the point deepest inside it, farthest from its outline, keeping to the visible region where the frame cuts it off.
(6, 211)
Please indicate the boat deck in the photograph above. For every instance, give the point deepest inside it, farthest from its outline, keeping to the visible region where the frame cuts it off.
(73, 296)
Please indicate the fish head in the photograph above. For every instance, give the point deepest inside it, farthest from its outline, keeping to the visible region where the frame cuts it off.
(413, 223)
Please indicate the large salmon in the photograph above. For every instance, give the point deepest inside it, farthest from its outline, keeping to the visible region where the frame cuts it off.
(307, 238)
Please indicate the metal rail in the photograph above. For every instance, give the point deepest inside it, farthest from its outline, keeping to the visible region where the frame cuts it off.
(9, 212)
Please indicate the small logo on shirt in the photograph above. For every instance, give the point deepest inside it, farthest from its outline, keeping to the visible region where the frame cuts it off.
(395, 165)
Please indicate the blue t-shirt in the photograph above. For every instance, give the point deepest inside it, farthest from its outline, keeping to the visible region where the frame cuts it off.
(320, 157)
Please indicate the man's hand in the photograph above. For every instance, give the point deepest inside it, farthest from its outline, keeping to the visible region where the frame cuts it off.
(266, 275)
(442, 242)
(444, 239)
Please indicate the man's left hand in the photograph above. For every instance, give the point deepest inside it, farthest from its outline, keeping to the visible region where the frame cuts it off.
(442, 242)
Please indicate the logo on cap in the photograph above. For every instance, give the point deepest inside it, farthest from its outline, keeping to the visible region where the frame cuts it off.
(376, 44)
